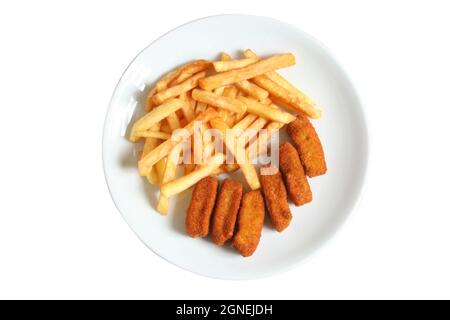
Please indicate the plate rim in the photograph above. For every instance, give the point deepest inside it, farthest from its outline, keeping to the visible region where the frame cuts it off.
(322, 243)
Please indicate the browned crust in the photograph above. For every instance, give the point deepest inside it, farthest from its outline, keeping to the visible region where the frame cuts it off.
(225, 213)
(202, 204)
(250, 223)
(308, 146)
(276, 199)
(294, 175)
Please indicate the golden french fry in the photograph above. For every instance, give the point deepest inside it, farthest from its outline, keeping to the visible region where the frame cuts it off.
(308, 103)
(266, 101)
(149, 102)
(221, 66)
(247, 168)
(286, 97)
(190, 69)
(178, 185)
(155, 116)
(169, 175)
(225, 56)
(222, 102)
(165, 126)
(245, 122)
(266, 111)
(248, 72)
(173, 121)
(153, 134)
(149, 145)
(181, 72)
(252, 90)
(161, 151)
(160, 167)
(201, 107)
(178, 89)
(263, 138)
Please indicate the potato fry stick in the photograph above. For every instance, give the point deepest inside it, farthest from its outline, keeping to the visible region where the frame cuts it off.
(266, 111)
(252, 90)
(164, 148)
(263, 138)
(245, 122)
(153, 134)
(165, 126)
(248, 72)
(160, 167)
(173, 121)
(221, 66)
(189, 68)
(178, 185)
(226, 103)
(274, 76)
(149, 102)
(286, 97)
(247, 168)
(225, 56)
(155, 116)
(169, 175)
(174, 91)
(149, 145)
(201, 107)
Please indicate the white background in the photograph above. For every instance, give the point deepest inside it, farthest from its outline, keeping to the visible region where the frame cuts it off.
(62, 237)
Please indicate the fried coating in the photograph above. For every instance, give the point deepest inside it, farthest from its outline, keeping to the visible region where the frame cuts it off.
(294, 175)
(225, 213)
(250, 223)
(202, 204)
(276, 199)
(308, 146)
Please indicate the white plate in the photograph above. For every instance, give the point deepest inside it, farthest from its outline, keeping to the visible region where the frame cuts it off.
(342, 130)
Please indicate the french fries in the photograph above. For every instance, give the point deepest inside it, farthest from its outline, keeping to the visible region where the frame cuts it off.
(178, 185)
(286, 97)
(183, 72)
(248, 72)
(304, 103)
(174, 91)
(153, 134)
(266, 111)
(243, 94)
(161, 151)
(247, 168)
(169, 175)
(221, 102)
(155, 116)
(252, 90)
(221, 66)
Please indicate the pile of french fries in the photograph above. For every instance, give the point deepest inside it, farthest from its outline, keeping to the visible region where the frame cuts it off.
(245, 93)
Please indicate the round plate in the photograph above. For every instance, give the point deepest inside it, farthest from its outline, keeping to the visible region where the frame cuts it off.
(342, 130)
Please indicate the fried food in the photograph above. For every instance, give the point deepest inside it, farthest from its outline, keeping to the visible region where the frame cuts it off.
(218, 101)
(155, 116)
(250, 223)
(185, 182)
(265, 65)
(276, 199)
(161, 151)
(225, 213)
(294, 175)
(178, 89)
(308, 146)
(266, 111)
(287, 98)
(202, 203)
(225, 65)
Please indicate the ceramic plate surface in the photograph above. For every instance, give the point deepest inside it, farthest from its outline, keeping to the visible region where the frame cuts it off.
(342, 130)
